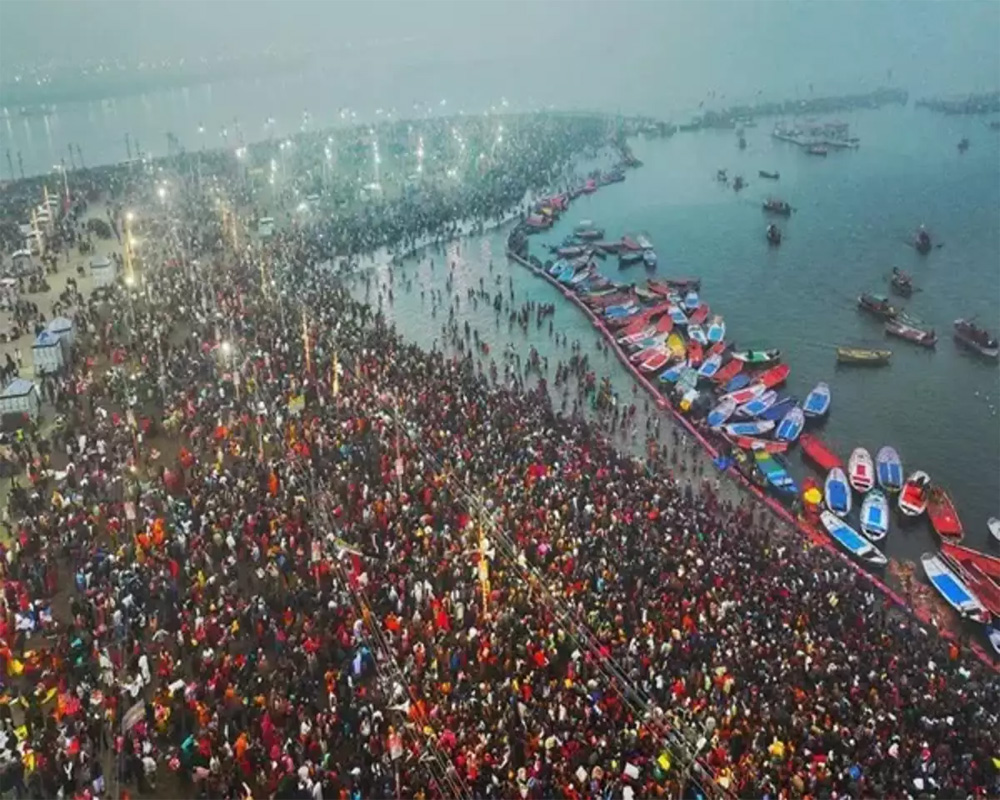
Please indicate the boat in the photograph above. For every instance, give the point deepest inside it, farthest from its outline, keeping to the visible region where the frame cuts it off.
(649, 258)
(817, 402)
(781, 407)
(687, 380)
(775, 376)
(729, 371)
(746, 465)
(697, 334)
(675, 344)
(629, 258)
(721, 413)
(889, 469)
(875, 516)
(791, 425)
(922, 241)
(877, 305)
(911, 333)
(953, 589)
(757, 357)
(747, 393)
(817, 150)
(628, 243)
(572, 251)
(752, 428)
(901, 283)
(717, 329)
(916, 491)
(861, 470)
(976, 339)
(632, 339)
(738, 183)
(695, 352)
(665, 324)
(710, 367)
(852, 541)
(771, 176)
(691, 301)
(655, 362)
(677, 315)
(993, 634)
(671, 375)
(665, 286)
(980, 571)
(774, 206)
(862, 356)
(994, 526)
(817, 451)
(758, 405)
(721, 176)
(699, 315)
(739, 382)
(775, 472)
(750, 443)
(837, 493)
(773, 235)
(943, 516)
(963, 145)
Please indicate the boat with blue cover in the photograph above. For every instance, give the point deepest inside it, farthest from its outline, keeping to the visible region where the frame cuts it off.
(649, 258)
(758, 405)
(953, 589)
(623, 310)
(875, 515)
(716, 330)
(852, 541)
(691, 301)
(837, 492)
(775, 472)
(752, 428)
(889, 469)
(711, 366)
(671, 375)
(677, 315)
(817, 402)
(791, 425)
(781, 407)
(697, 334)
(721, 413)
(738, 382)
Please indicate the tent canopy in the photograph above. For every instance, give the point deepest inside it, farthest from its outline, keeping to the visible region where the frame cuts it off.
(18, 388)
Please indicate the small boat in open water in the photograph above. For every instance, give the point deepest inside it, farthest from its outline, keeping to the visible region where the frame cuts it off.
(862, 356)
(775, 206)
(889, 469)
(953, 589)
(976, 339)
(878, 306)
(916, 492)
(773, 234)
(901, 283)
(861, 470)
(943, 516)
(875, 516)
(817, 451)
(771, 176)
(852, 541)
(757, 356)
(837, 493)
(910, 333)
(817, 402)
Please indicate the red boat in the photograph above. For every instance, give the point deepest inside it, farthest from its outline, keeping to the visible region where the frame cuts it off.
(699, 315)
(630, 244)
(695, 353)
(638, 324)
(774, 376)
(750, 443)
(606, 300)
(980, 571)
(665, 286)
(717, 349)
(943, 516)
(728, 372)
(819, 453)
(665, 324)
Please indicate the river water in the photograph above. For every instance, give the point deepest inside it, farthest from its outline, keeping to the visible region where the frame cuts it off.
(855, 212)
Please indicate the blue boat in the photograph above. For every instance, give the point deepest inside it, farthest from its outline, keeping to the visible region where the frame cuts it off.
(953, 589)
(567, 275)
(623, 310)
(671, 375)
(781, 407)
(649, 258)
(717, 330)
(837, 492)
(697, 334)
(758, 405)
(889, 469)
(558, 266)
(875, 515)
(711, 366)
(852, 541)
(791, 425)
(775, 472)
(817, 401)
(691, 301)
(753, 428)
(718, 415)
(678, 316)
(737, 383)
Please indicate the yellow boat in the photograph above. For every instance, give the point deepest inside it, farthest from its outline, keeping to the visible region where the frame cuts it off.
(858, 355)
(676, 346)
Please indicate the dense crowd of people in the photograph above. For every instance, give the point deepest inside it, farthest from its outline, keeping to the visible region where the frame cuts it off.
(274, 550)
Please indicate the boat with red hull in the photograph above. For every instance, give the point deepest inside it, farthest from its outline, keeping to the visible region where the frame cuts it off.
(943, 516)
(981, 572)
(817, 451)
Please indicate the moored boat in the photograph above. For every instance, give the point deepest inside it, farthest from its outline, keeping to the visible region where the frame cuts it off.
(775, 376)
(673, 373)
(791, 425)
(751, 443)
(781, 407)
(757, 356)
(629, 258)
(817, 150)
(748, 392)
(697, 334)
(695, 352)
(817, 402)
(758, 405)
(775, 206)
(861, 470)
(737, 383)
(979, 570)
(655, 362)
(711, 366)
(837, 493)
(916, 491)
(752, 428)
(774, 470)
(819, 452)
(721, 413)
(875, 516)
(852, 541)
(717, 329)
(675, 344)
(976, 339)
(699, 315)
(877, 305)
(729, 371)
(994, 526)
(901, 283)
(649, 258)
(889, 469)
(666, 285)
(863, 356)
(691, 301)
(943, 516)
(953, 589)
(911, 333)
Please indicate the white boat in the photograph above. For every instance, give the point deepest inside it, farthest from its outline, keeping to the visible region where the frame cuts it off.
(916, 490)
(993, 634)
(994, 525)
(875, 516)
(718, 416)
(861, 470)
(953, 588)
(837, 493)
(852, 541)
